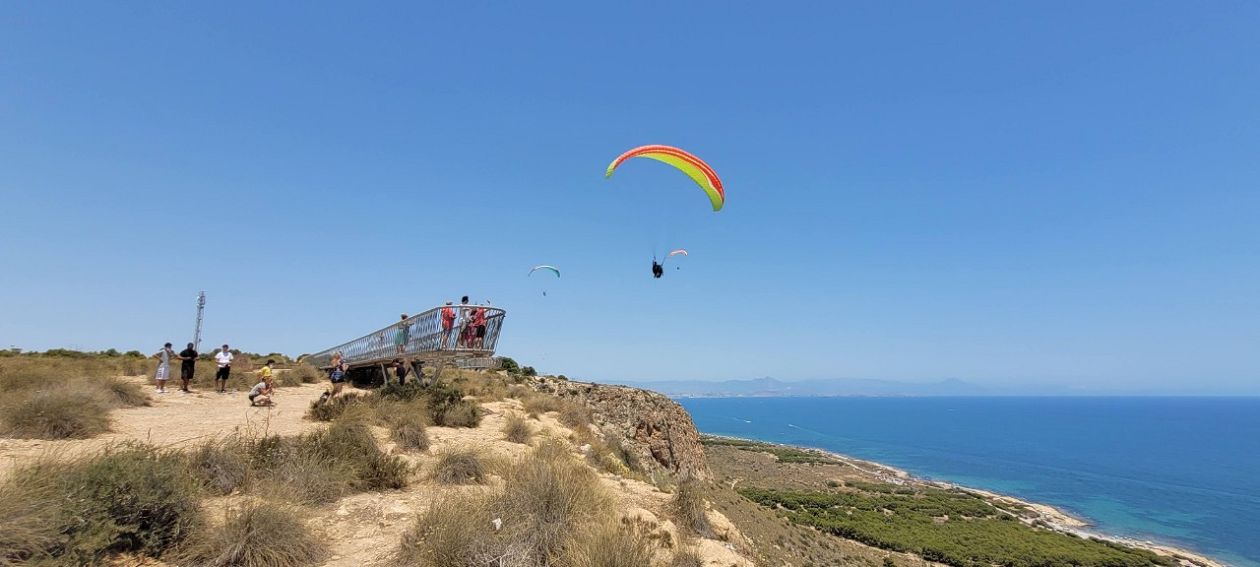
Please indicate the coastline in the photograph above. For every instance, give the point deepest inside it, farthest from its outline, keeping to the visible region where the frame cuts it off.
(1044, 515)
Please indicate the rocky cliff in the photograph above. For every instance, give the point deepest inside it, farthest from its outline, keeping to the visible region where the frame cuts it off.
(655, 428)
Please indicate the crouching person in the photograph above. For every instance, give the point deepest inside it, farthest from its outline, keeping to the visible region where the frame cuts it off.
(260, 394)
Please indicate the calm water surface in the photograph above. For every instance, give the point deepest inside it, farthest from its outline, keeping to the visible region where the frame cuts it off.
(1184, 471)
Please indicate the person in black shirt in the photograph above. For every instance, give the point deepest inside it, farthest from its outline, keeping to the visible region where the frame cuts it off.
(400, 370)
(657, 269)
(187, 367)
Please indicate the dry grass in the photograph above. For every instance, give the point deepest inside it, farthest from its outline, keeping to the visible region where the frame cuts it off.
(458, 531)
(609, 544)
(303, 373)
(129, 498)
(460, 466)
(55, 414)
(322, 466)
(63, 398)
(548, 495)
(221, 466)
(688, 509)
(575, 415)
(257, 534)
(686, 558)
(408, 431)
(517, 430)
(538, 404)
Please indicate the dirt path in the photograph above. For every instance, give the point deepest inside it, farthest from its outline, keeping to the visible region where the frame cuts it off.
(177, 419)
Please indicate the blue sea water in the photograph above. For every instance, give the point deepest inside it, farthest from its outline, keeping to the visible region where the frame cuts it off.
(1183, 471)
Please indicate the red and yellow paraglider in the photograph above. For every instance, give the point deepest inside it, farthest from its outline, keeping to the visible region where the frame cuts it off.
(694, 167)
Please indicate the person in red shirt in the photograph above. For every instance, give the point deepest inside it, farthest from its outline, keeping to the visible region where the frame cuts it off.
(479, 326)
(448, 325)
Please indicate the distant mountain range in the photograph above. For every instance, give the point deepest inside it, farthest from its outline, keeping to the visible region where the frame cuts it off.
(769, 387)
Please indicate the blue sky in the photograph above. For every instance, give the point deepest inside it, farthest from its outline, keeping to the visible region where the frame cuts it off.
(1007, 193)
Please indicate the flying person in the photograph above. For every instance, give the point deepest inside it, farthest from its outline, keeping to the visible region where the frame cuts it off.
(657, 269)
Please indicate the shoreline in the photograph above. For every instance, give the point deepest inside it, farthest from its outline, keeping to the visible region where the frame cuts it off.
(1043, 514)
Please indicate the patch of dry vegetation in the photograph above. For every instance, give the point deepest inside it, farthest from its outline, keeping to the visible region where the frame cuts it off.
(130, 498)
(609, 544)
(547, 502)
(688, 509)
(63, 398)
(517, 430)
(257, 534)
(460, 466)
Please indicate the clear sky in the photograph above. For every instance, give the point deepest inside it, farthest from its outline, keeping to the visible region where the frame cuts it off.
(1003, 192)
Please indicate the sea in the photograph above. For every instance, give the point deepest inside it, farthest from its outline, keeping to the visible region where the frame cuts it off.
(1178, 471)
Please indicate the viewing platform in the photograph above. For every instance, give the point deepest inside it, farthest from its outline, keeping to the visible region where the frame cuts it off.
(421, 340)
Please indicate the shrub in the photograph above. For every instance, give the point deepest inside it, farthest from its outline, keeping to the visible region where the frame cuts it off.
(333, 408)
(448, 407)
(517, 430)
(30, 506)
(55, 414)
(575, 415)
(459, 466)
(529, 371)
(609, 544)
(303, 373)
(462, 414)
(129, 498)
(686, 558)
(258, 535)
(458, 531)
(408, 431)
(509, 365)
(539, 404)
(321, 466)
(125, 393)
(220, 466)
(688, 509)
(547, 496)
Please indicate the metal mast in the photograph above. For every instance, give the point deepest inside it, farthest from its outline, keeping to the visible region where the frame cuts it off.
(201, 307)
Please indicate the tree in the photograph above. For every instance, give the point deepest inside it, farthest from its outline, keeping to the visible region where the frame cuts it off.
(529, 371)
(506, 363)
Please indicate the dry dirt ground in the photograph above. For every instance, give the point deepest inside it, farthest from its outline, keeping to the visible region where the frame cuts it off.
(363, 529)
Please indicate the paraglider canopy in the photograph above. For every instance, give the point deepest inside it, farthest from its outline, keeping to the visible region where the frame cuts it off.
(694, 167)
(545, 267)
(678, 252)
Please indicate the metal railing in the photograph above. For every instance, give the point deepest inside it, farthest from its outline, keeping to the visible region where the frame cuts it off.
(422, 337)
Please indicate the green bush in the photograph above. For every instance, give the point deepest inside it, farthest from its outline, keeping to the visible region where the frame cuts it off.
(952, 527)
(529, 371)
(509, 365)
(258, 535)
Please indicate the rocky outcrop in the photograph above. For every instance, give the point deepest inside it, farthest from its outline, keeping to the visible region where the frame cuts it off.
(653, 427)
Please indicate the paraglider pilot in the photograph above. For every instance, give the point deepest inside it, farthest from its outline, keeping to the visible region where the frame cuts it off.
(657, 269)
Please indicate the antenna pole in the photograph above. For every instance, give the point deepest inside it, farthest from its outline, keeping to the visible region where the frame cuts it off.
(201, 307)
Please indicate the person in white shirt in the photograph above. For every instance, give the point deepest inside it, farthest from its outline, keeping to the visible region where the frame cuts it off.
(224, 359)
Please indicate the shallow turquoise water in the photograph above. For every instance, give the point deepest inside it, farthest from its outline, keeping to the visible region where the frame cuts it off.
(1184, 471)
